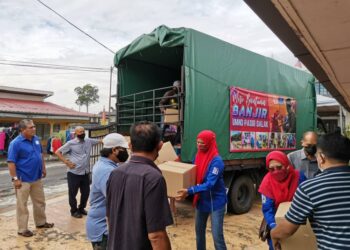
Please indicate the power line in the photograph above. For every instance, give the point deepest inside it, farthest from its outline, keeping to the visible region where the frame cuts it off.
(55, 65)
(75, 26)
(52, 67)
(44, 74)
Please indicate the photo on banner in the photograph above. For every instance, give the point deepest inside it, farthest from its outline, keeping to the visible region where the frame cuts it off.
(261, 121)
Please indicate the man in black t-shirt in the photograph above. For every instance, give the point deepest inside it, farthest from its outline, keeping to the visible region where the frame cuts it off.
(138, 211)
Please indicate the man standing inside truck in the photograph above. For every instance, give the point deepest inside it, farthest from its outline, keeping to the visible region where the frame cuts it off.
(138, 210)
(170, 100)
(324, 200)
(304, 159)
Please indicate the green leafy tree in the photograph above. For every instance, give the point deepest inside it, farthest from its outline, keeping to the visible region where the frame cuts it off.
(87, 95)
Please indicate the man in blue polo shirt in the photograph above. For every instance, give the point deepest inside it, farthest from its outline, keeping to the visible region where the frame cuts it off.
(27, 167)
(325, 199)
(114, 151)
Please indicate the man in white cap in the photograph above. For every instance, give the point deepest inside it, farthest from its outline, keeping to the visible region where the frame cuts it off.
(114, 151)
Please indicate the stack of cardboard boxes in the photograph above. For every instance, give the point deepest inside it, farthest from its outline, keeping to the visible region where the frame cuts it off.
(177, 175)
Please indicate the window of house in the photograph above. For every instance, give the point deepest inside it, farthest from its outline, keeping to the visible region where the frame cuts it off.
(43, 131)
(56, 128)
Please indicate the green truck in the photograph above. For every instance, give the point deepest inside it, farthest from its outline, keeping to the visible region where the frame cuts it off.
(212, 72)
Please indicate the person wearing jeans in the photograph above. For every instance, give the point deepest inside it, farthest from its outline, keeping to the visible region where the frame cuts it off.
(217, 220)
(209, 194)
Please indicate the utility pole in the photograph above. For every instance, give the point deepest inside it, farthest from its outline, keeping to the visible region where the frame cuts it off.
(110, 96)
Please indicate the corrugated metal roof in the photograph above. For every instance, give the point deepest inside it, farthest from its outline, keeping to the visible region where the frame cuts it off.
(26, 91)
(37, 107)
(326, 101)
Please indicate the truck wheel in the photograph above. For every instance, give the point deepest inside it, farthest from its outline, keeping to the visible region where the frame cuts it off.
(241, 195)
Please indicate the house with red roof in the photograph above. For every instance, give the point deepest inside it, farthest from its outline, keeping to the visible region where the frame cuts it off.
(19, 103)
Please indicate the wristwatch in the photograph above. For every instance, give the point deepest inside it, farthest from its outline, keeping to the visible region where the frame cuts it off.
(14, 178)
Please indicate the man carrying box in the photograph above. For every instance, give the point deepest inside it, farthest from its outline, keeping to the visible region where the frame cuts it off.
(169, 99)
(325, 199)
(169, 106)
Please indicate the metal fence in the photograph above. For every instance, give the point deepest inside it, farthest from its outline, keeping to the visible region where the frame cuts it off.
(98, 132)
(144, 106)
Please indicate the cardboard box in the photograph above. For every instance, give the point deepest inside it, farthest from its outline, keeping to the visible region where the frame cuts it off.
(167, 153)
(171, 116)
(303, 239)
(178, 175)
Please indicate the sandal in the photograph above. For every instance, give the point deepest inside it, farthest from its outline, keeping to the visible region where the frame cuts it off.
(26, 233)
(46, 225)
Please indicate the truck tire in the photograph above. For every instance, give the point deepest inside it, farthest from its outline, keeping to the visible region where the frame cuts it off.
(241, 195)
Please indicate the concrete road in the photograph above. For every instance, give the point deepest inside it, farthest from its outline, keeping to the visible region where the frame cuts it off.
(54, 183)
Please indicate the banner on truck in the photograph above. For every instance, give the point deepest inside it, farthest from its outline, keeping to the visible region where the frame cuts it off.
(261, 121)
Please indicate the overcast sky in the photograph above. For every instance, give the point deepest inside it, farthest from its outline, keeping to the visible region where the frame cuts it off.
(31, 32)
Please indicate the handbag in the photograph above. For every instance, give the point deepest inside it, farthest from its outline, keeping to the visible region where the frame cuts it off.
(264, 230)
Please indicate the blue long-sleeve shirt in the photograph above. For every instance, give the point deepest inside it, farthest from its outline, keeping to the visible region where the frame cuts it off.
(212, 190)
(268, 205)
(96, 223)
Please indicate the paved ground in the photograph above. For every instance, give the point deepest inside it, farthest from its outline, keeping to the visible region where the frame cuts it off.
(54, 183)
(69, 233)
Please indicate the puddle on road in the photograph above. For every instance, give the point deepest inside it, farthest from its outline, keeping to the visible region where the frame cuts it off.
(8, 198)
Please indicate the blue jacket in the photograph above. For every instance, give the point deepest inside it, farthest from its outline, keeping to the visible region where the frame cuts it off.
(268, 205)
(212, 191)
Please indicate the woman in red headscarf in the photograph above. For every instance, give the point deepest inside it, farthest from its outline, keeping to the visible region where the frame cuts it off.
(210, 192)
(278, 185)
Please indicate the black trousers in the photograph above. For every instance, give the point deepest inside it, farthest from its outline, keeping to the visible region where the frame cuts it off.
(76, 182)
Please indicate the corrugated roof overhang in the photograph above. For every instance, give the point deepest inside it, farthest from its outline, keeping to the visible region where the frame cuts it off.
(317, 32)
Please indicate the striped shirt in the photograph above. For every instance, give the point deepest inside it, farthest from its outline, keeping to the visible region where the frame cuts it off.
(325, 201)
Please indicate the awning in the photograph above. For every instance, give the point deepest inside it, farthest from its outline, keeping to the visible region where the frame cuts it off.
(318, 33)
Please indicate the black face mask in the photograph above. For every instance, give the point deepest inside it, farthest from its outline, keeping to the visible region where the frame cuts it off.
(310, 150)
(81, 136)
(123, 155)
